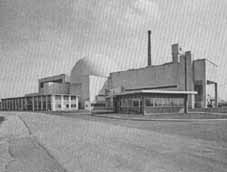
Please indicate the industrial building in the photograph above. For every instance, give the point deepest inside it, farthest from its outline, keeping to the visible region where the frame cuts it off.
(53, 95)
(97, 83)
(171, 87)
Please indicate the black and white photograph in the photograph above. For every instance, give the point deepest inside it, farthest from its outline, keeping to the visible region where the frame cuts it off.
(113, 85)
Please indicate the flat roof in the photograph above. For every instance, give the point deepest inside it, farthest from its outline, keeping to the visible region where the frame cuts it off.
(156, 92)
(36, 95)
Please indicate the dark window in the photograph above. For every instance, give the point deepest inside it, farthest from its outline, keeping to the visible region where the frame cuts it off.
(149, 102)
(73, 97)
(135, 103)
(74, 105)
(66, 97)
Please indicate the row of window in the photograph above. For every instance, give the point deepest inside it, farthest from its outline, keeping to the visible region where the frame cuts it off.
(58, 97)
(157, 102)
(152, 102)
(129, 102)
(58, 106)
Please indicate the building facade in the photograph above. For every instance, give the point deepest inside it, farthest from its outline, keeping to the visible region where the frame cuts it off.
(97, 82)
(183, 76)
(41, 103)
(53, 95)
(151, 101)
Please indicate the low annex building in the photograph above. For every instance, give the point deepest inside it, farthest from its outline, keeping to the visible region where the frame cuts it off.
(53, 95)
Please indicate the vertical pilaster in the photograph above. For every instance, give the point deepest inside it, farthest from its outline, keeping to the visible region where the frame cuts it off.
(62, 102)
(46, 97)
(16, 104)
(77, 103)
(37, 102)
(22, 104)
(186, 103)
(41, 99)
(53, 103)
(33, 103)
(204, 95)
(70, 103)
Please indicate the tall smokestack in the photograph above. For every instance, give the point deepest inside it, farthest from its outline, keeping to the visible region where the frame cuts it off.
(149, 49)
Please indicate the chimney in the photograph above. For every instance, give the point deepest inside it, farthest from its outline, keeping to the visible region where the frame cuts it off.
(149, 49)
(175, 53)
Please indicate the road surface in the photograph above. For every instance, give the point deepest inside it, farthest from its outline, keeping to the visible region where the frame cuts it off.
(94, 144)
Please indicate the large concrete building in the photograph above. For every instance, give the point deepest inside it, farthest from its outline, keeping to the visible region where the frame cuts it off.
(164, 88)
(96, 82)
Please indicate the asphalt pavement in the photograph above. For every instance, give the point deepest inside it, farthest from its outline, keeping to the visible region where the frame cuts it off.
(21, 152)
(43, 142)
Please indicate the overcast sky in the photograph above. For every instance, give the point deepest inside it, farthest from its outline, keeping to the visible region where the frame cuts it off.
(39, 38)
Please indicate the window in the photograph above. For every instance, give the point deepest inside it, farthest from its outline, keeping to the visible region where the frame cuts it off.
(58, 105)
(129, 102)
(73, 97)
(158, 102)
(135, 103)
(74, 105)
(66, 97)
(149, 102)
(58, 97)
(123, 102)
(41, 85)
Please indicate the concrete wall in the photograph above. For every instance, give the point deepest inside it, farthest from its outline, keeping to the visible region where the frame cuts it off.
(169, 76)
(89, 87)
(204, 71)
(96, 87)
(152, 76)
(166, 75)
(211, 71)
(81, 89)
(76, 89)
(55, 88)
(64, 78)
(199, 70)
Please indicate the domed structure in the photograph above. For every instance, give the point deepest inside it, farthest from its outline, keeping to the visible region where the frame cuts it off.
(96, 65)
(89, 76)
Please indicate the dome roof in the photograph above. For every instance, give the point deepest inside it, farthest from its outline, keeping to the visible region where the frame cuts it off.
(96, 65)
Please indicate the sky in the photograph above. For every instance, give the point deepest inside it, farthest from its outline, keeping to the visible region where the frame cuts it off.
(39, 38)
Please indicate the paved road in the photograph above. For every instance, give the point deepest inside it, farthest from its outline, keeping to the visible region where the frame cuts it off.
(20, 152)
(84, 143)
(211, 130)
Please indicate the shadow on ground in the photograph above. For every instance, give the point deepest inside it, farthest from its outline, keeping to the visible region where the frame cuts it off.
(2, 118)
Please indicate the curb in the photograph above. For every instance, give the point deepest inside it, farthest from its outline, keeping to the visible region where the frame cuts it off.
(158, 119)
